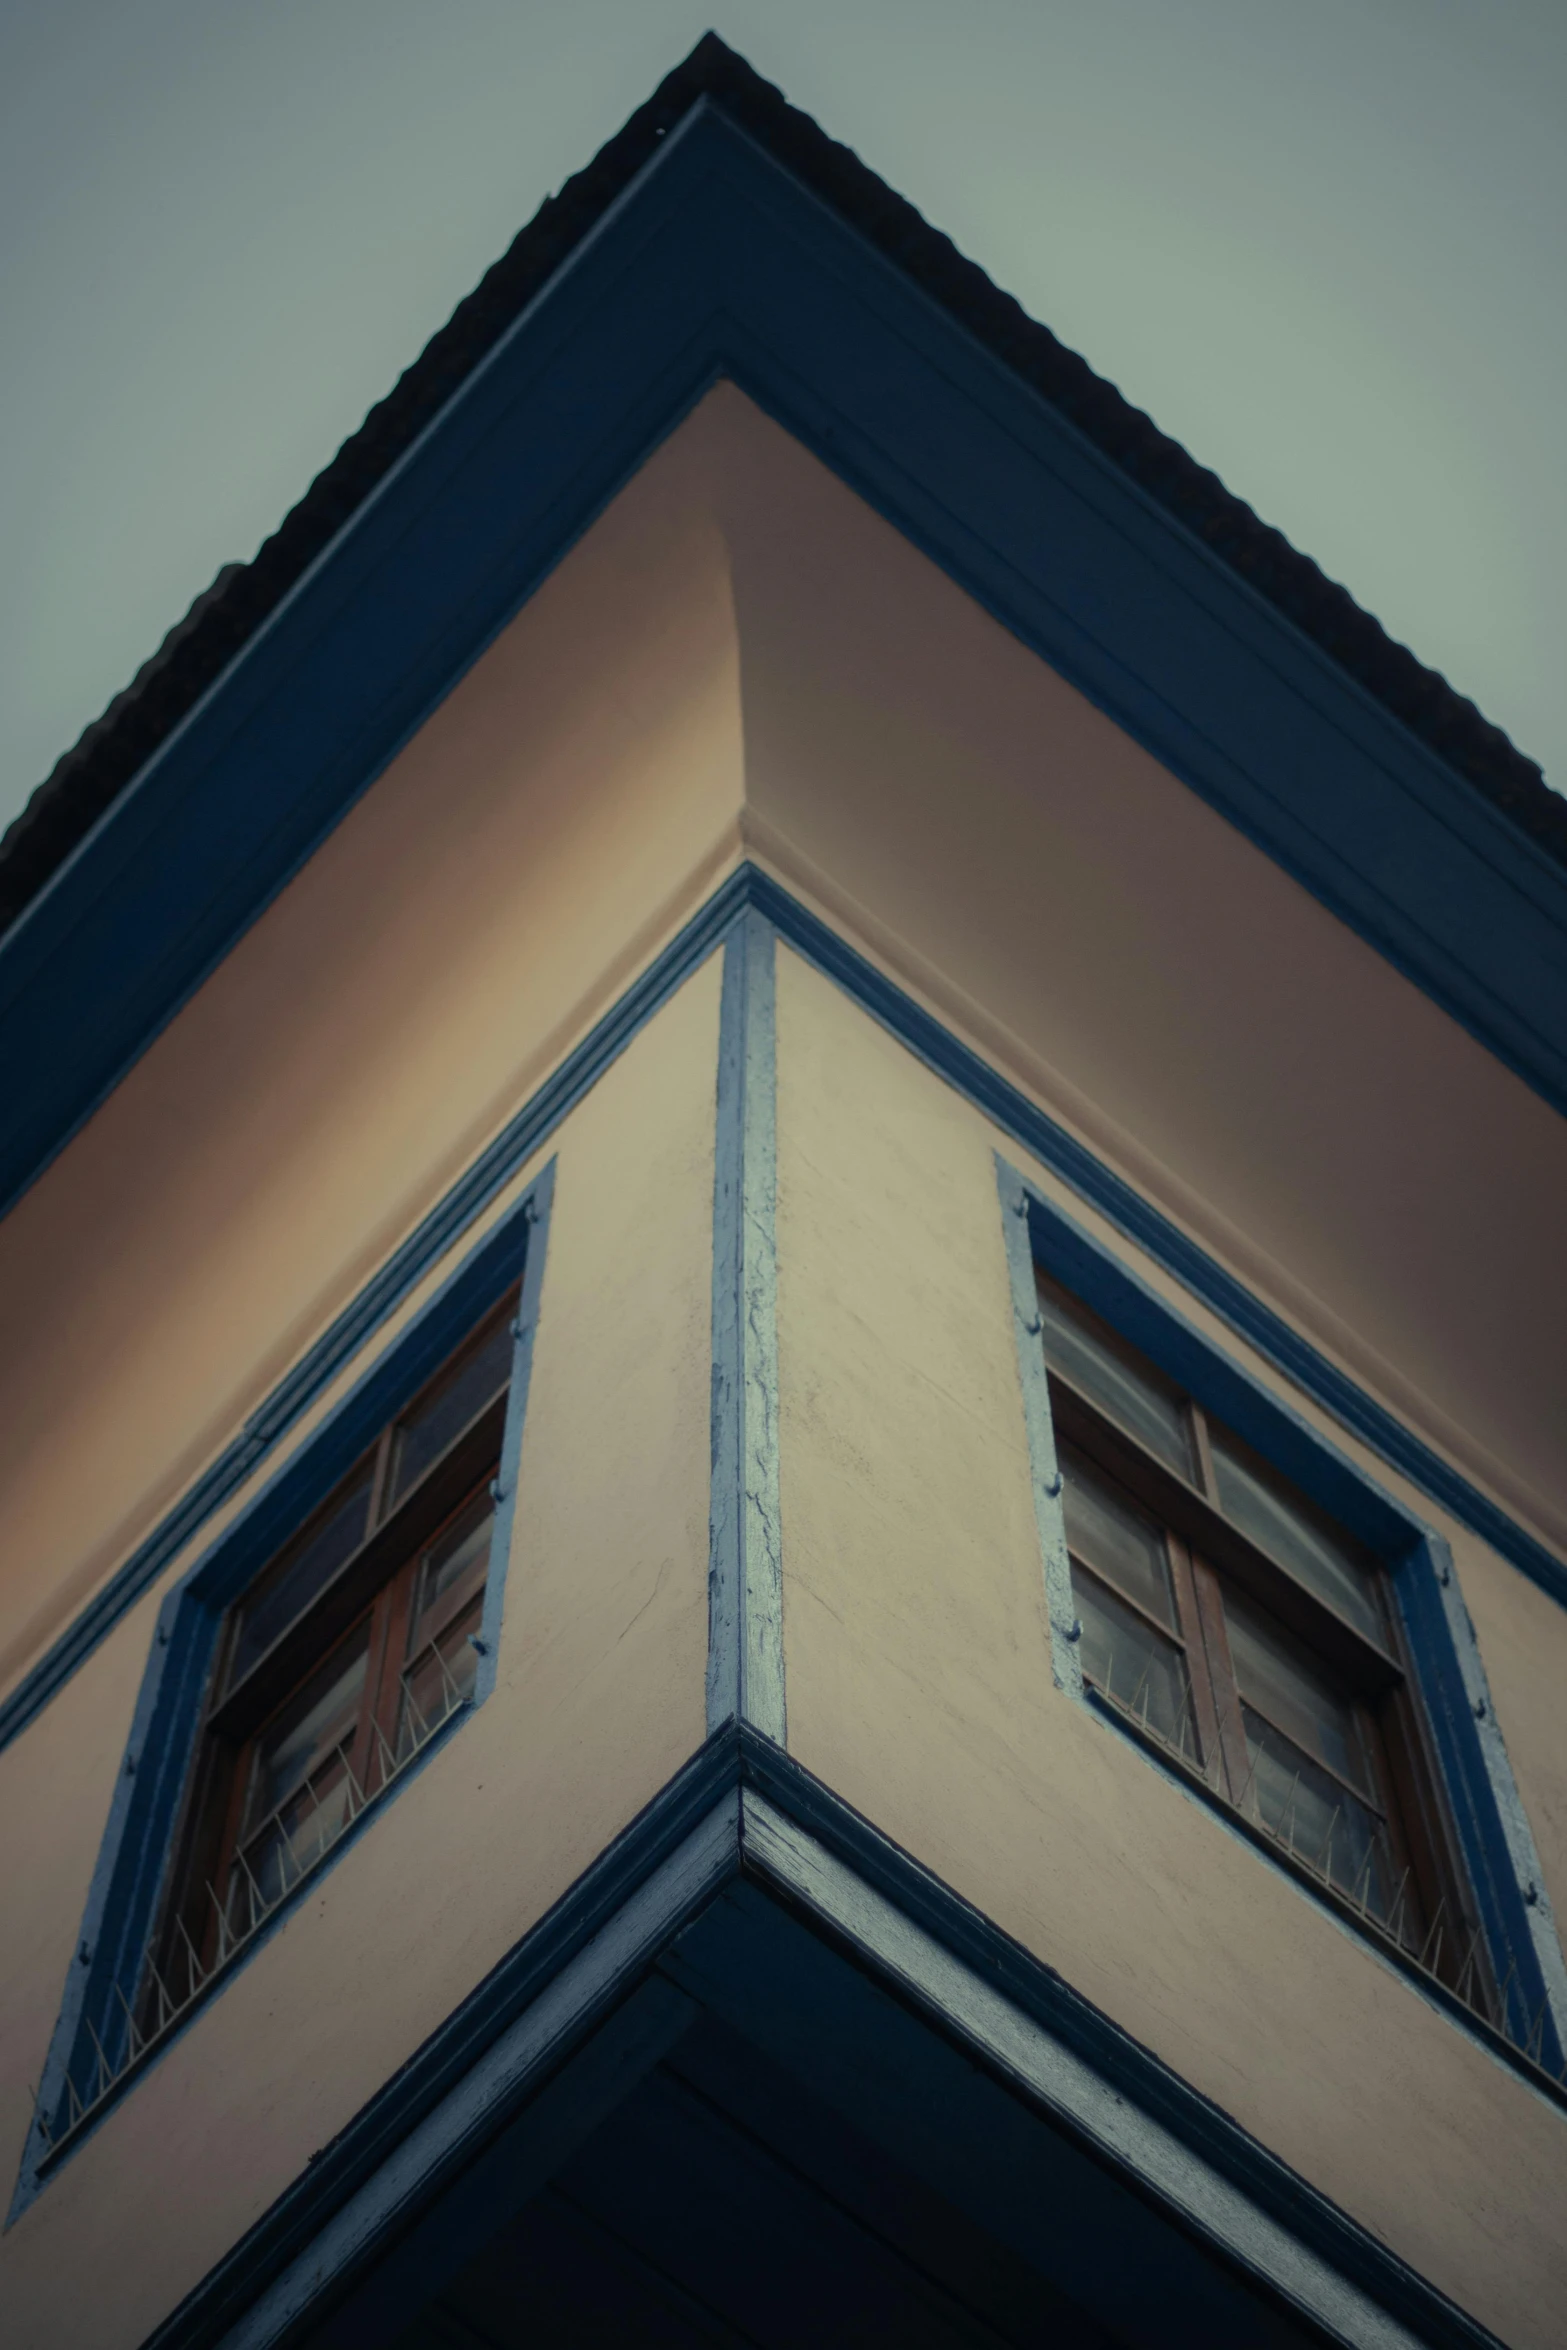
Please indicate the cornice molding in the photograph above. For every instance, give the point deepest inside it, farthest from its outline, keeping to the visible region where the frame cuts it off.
(744, 1822)
(713, 258)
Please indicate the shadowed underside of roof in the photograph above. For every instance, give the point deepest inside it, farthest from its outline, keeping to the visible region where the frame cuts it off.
(111, 752)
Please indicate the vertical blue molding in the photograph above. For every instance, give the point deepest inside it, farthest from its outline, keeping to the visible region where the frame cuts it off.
(745, 1669)
(1499, 1851)
(1493, 1827)
(1065, 1658)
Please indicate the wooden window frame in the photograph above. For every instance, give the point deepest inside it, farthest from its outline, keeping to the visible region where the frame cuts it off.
(1206, 1552)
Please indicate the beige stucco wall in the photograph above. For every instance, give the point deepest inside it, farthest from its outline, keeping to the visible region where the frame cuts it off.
(491, 895)
(740, 653)
(600, 1698)
(919, 1686)
(1112, 942)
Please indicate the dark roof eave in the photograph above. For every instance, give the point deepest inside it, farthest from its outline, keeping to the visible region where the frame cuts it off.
(112, 751)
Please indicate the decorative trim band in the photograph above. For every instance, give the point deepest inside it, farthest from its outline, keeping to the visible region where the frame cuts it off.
(743, 1810)
(1030, 1127)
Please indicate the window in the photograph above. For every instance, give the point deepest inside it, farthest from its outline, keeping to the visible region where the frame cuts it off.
(336, 1668)
(1253, 1641)
(316, 1649)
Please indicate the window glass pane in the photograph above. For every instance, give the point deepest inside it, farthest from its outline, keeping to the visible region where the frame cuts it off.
(1114, 1376)
(1259, 1501)
(450, 1402)
(439, 1678)
(304, 1569)
(1110, 1534)
(456, 1564)
(1313, 1815)
(1282, 1681)
(1132, 1663)
(300, 1794)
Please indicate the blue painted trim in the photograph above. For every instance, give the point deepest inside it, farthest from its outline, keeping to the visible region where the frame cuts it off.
(1493, 1826)
(960, 1067)
(145, 1811)
(743, 1824)
(745, 1665)
(1039, 1134)
(1499, 1852)
(488, 2192)
(469, 1196)
(536, 1209)
(715, 262)
(1044, 1469)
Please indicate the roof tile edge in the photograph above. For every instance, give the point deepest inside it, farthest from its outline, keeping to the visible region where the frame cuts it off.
(90, 777)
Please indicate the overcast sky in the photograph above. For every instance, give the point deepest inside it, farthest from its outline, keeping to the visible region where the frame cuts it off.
(1323, 242)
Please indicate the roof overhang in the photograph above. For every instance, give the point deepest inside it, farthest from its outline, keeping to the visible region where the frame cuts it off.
(716, 261)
